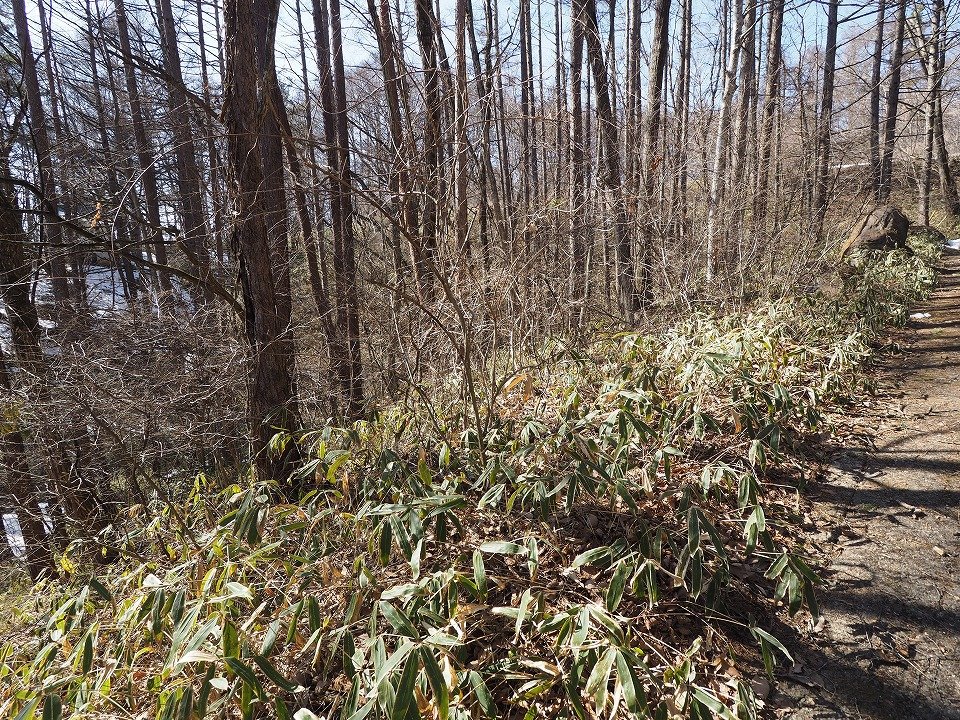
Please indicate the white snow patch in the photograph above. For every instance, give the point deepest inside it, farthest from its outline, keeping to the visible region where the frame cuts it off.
(11, 526)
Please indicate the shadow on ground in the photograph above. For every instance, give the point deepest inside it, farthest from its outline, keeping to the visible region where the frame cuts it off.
(889, 648)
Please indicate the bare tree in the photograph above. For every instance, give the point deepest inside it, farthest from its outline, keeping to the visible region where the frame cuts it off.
(893, 103)
(271, 399)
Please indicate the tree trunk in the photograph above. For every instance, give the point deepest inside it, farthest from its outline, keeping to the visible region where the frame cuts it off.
(770, 102)
(271, 402)
(213, 157)
(683, 118)
(77, 494)
(629, 298)
(316, 258)
(190, 189)
(893, 104)
(875, 79)
(460, 122)
(578, 172)
(748, 93)
(131, 283)
(54, 238)
(424, 259)
(948, 185)
(651, 140)
(718, 177)
(347, 361)
(20, 489)
(145, 155)
(821, 187)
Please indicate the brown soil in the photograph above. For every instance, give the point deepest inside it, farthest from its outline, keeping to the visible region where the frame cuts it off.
(889, 642)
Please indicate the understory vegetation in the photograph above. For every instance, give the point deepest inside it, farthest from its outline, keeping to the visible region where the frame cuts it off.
(609, 540)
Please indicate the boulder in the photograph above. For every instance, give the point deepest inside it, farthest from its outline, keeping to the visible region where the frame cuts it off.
(883, 228)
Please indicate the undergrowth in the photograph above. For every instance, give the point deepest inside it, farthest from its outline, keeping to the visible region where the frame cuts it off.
(586, 557)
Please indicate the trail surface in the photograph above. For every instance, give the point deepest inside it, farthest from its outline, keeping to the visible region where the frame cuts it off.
(888, 646)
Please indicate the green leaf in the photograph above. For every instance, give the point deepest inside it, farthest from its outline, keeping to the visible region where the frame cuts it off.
(525, 599)
(415, 560)
(500, 547)
(533, 557)
(197, 656)
(185, 707)
(200, 635)
(401, 623)
(335, 465)
(87, 653)
(270, 639)
(482, 694)
(386, 542)
(590, 557)
(52, 707)
(617, 585)
(101, 590)
(405, 701)
(716, 707)
(406, 590)
(633, 692)
(479, 574)
(386, 666)
(362, 712)
(280, 710)
(424, 472)
(28, 709)
(600, 678)
(239, 590)
(271, 672)
(229, 641)
(693, 529)
(766, 642)
(245, 673)
(612, 626)
(437, 682)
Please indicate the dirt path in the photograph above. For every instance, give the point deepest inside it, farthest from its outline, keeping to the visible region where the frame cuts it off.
(890, 643)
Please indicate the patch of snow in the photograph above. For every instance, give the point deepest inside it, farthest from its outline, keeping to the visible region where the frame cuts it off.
(11, 526)
(953, 244)
(14, 533)
(919, 316)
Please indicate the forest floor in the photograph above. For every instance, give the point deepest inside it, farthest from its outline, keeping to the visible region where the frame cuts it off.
(888, 644)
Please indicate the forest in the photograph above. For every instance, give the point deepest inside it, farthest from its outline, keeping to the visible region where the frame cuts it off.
(443, 359)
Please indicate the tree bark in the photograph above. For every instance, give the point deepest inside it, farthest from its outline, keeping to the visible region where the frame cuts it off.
(875, 79)
(821, 187)
(54, 238)
(629, 298)
(651, 140)
(893, 103)
(78, 495)
(271, 400)
(578, 172)
(190, 189)
(145, 155)
(347, 360)
(425, 255)
(718, 175)
(21, 489)
(771, 100)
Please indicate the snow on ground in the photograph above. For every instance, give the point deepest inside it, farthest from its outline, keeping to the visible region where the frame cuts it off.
(14, 533)
(11, 526)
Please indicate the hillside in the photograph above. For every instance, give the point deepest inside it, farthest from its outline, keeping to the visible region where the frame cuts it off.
(618, 538)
